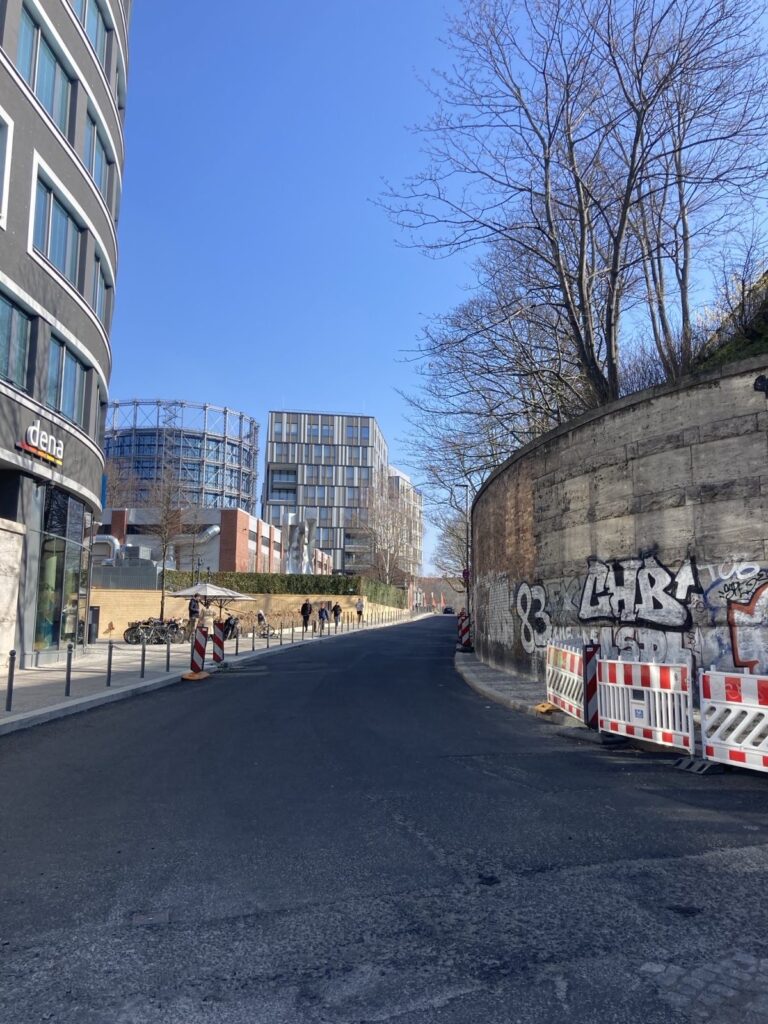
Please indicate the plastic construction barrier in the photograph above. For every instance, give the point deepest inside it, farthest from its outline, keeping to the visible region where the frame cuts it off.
(649, 702)
(218, 641)
(572, 681)
(198, 649)
(734, 719)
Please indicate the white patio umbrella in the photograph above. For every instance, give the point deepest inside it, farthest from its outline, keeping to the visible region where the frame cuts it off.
(221, 595)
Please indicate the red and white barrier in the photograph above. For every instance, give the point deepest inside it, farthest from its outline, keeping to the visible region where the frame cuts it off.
(734, 719)
(465, 640)
(565, 680)
(650, 702)
(572, 681)
(198, 649)
(218, 641)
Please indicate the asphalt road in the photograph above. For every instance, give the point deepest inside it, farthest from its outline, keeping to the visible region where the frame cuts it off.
(346, 833)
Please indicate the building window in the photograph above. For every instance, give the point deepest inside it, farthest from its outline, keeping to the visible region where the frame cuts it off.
(6, 132)
(277, 430)
(89, 14)
(62, 589)
(56, 234)
(95, 156)
(43, 71)
(66, 383)
(100, 291)
(14, 343)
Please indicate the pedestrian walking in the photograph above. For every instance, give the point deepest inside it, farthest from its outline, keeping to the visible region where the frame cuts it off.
(336, 612)
(324, 618)
(193, 611)
(359, 608)
(306, 611)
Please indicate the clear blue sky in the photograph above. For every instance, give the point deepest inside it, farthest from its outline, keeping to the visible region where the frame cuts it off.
(254, 270)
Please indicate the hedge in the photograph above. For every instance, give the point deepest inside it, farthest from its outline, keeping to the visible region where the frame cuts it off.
(278, 583)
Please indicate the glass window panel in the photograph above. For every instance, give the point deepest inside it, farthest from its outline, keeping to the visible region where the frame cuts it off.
(6, 320)
(27, 41)
(19, 349)
(79, 6)
(72, 250)
(79, 413)
(56, 510)
(100, 166)
(90, 140)
(41, 218)
(49, 593)
(96, 30)
(45, 84)
(61, 98)
(53, 392)
(58, 248)
(75, 521)
(72, 389)
(70, 594)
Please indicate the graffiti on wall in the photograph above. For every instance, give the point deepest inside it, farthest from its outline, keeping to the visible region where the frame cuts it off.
(638, 609)
(747, 613)
(639, 590)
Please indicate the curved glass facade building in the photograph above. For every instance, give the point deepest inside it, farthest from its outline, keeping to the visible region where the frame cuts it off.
(211, 451)
(63, 71)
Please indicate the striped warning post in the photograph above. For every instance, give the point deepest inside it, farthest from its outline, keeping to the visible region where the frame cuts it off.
(218, 641)
(590, 659)
(649, 702)
(565, 679)
(734, 719)
(198, 649)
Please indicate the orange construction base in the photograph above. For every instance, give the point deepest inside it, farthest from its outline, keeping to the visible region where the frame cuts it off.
(196, 675)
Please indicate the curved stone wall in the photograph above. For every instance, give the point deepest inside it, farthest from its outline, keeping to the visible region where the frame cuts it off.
(642, 526)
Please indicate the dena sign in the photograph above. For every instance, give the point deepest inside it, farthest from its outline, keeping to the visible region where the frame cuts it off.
(42, 445)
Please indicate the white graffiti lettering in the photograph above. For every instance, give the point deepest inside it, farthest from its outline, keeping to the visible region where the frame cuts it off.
(535, 623)
(638, 590)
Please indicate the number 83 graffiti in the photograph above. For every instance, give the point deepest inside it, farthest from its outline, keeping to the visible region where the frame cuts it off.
(535, 623)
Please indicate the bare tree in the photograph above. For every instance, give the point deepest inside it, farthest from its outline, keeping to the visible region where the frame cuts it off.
(602, 145)
(122, 483)
(165, 498)
(450, 554)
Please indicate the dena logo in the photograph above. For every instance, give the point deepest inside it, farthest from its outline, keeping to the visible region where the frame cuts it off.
(42, 445)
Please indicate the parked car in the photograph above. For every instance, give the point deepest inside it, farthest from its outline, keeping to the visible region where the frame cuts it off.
(448, 610)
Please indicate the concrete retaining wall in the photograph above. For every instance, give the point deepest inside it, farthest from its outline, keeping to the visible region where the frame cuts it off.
(643, 526)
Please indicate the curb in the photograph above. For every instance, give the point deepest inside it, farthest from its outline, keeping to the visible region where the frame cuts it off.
(465, 671)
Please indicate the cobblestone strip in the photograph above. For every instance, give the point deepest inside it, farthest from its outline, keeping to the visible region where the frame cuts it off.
(729, 991)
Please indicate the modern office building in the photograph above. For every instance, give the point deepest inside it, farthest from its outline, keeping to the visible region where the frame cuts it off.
(334, 469)
(408, 502)
(63, 69)
(211, 452)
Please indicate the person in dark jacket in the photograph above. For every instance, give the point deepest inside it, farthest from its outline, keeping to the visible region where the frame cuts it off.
(194, 615)
(306, 611)
(324, 618)
(336, 613)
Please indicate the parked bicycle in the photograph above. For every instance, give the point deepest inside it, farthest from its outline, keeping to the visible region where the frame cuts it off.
(154, 631)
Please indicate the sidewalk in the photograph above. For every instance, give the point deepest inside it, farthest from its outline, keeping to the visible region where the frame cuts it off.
(518, 693)
(39, 693)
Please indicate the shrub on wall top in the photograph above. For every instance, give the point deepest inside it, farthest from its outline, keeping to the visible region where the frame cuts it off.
(278, 583)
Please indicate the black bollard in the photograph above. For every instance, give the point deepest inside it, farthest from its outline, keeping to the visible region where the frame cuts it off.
(11, 672)
(68, 681)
